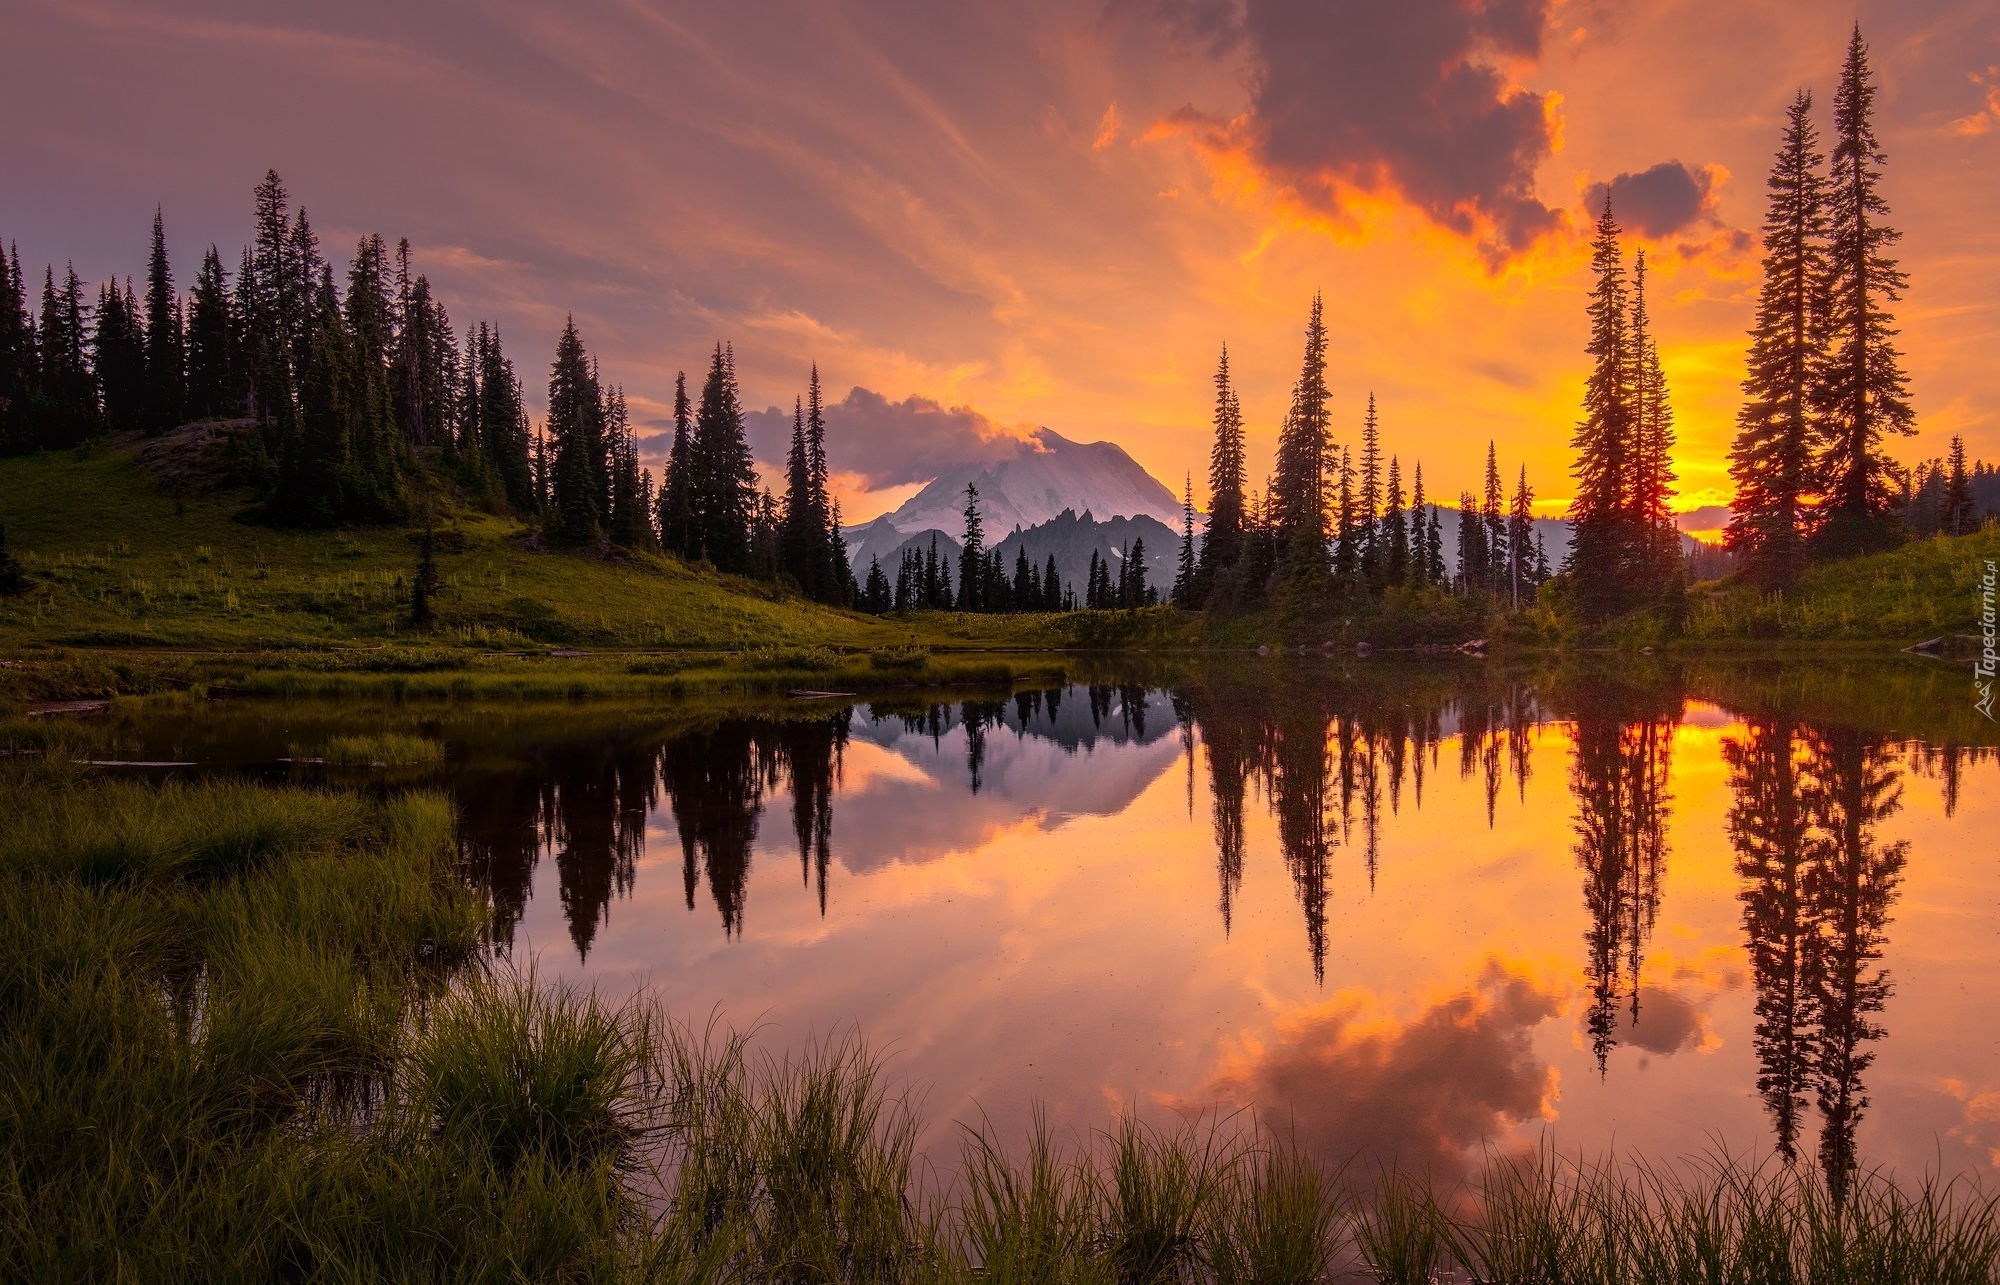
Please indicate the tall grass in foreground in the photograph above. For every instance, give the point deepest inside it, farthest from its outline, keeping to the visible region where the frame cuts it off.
(244, 1036)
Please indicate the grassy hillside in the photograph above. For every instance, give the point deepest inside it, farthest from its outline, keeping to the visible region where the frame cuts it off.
(115, 561)
(1923, 590)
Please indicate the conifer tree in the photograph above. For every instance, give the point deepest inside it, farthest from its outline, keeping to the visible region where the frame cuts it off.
(1599, 557)
(166, 370)
(1493, 518)
(972, 555)
(1368, 500)
(1958, 516)
(424, 359)
(503, 424)
(211, 388)
(120, 367)
(875, 599)
(800, 539)
(1521, 578)
(1347, 537)
(1865, 394)
(826, 549)
(1419, 534)
(1222, 544)
(722, 479)
(631, 512)
(1772, 458)
(843, 572)
(66, 412)
(676, 517)
(1298, 508)
(1051, 586)
(1434, 548)
(1396, 551)
(19, 366)
(1475, 573)
(1132, 575)
(1653, 441)
(578, 500)
(1184, 573)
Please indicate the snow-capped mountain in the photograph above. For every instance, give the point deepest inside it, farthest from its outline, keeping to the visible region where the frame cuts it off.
(1047, 475)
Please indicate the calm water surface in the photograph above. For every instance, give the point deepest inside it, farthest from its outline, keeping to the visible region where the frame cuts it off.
(1419, 913)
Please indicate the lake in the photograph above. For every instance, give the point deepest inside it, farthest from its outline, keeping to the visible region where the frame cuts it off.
(1417, 912)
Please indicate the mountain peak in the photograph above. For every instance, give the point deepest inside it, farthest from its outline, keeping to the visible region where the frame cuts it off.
(1045, 475)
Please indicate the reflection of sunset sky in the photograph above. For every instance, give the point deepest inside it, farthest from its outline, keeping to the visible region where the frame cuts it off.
(1020, 948)
(1051, 213)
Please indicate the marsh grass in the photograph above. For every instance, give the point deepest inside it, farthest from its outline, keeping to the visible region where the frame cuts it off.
(384, 749)
(245, 1035)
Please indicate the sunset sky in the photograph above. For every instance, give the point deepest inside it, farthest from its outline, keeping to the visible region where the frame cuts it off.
(1047, 214)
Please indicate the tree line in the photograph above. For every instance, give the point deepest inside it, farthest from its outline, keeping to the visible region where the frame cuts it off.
(1334, 523)
(360, 396)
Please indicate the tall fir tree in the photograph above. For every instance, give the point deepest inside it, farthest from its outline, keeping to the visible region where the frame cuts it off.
(1368, 498)
(1396, 536)
(1419, 534)
(19, 365)
(1474, 572)
(67, 411)
(631, 525)
(166, 357)
(1599, 558)
(1493, 521)
(1298, 485)
(1521, 578)
(1347, 533)
(120, 366)
(972, 555)
(828, 551)
(1184, 568)
(798, 542)
(579, 501)
(503, 423)
(1652, 485)
(1222, 544)
(676, 515)
(1772, 458)
(212, 364)
(1865, 394)
(1434, 571)
(1958, 516)
(722, 479)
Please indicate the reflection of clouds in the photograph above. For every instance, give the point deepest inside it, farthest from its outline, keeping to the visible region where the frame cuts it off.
(1668, 1022)
(924, 809)
(1354, 1081)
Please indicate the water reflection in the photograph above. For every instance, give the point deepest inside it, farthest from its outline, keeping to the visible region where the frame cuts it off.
(1819, 888)
(1317, 777)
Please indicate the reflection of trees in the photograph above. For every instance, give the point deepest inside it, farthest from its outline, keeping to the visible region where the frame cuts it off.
(1619, 778)
(586, 804)
(1767, 825)
(585, 800)
(1853, 882)
(1325, 755)
(1818, 889)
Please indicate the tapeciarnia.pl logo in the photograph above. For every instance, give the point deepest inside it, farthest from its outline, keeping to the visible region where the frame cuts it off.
(1982, 669)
